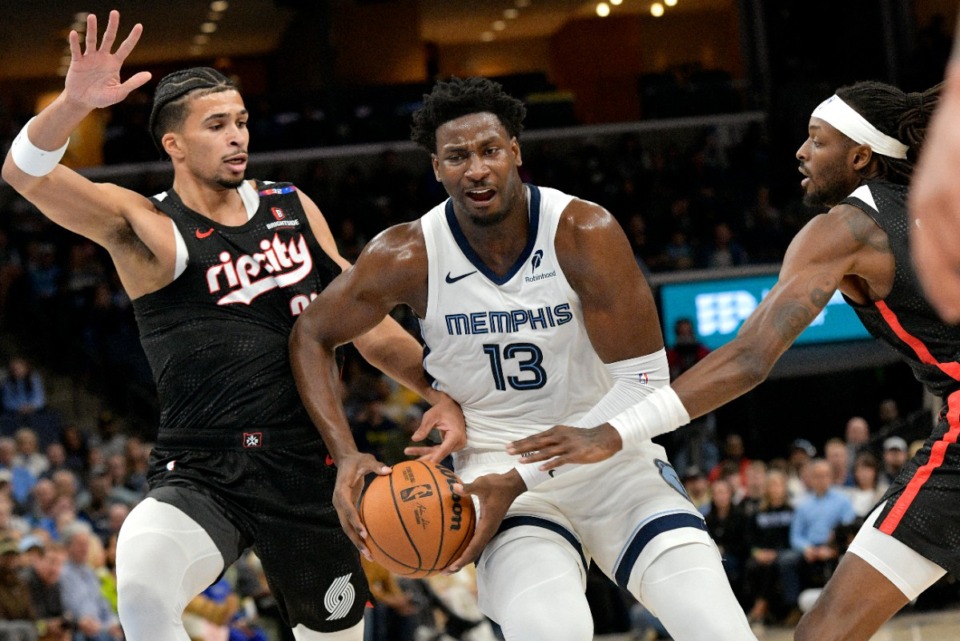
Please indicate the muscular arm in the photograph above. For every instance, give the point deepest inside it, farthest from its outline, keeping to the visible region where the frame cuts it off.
(826, 250)
(386, 274)
(618, 308)
(386, 345)
(844, 247)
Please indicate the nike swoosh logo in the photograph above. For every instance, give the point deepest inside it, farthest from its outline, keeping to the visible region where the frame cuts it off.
(203, 234)
(453, 279)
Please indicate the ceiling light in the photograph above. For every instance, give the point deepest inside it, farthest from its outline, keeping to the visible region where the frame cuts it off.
(208, 27)
(219, 5)
(214, 16)
(603, 9)
(196, 50)
(201, 39)
(499, 25)
(616, 3)
(487, 36)
(510, 14)
(81, 17)
(670, 3)
(656, 9)
(521, 4)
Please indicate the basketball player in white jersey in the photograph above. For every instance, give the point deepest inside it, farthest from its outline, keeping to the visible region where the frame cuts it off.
(532, 309)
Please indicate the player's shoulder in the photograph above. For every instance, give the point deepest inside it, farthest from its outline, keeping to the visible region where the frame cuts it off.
(585, 217)
(398, 242)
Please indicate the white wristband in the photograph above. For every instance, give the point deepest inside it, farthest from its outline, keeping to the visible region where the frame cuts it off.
(659, 413)
(30, 158)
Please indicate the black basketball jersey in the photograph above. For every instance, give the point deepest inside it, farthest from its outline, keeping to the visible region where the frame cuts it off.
(216, 337)
(904, 319)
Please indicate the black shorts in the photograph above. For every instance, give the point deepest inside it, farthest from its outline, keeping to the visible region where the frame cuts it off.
(920, 508)
(277, 500)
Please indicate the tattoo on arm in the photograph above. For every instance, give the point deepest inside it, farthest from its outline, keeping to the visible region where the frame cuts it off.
(866, 232)
(822, 288)
(791, 319)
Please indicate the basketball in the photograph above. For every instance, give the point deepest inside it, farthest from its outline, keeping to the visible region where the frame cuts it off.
(416, 525)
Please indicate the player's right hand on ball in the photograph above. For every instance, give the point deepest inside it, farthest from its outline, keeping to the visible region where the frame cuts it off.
(495, 493)
(352, 469)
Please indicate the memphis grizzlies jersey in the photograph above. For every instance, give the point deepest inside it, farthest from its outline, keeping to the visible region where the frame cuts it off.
(512, 350)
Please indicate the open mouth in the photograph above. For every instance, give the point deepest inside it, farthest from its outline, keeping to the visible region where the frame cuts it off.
(481, 195)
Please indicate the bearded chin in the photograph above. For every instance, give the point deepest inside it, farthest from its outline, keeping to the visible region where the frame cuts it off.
(229, 184)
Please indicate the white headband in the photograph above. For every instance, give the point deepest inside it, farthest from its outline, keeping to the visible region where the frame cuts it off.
(846, 120)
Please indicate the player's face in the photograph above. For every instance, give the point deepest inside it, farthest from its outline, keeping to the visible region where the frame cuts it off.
(477, 162)
(826, 159)
(214, 138)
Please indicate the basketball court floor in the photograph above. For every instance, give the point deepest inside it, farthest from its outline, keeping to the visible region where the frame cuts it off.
(941, 625)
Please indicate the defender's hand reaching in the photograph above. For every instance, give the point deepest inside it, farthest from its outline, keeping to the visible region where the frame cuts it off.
(563, 444)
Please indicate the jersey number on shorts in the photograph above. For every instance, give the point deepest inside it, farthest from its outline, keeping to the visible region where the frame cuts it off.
(530, 364)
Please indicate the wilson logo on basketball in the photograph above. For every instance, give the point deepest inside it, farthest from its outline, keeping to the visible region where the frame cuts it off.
(457, 517)
(279, 265)
(414, 493)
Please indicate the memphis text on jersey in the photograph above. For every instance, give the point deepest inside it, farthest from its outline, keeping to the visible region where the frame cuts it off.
(508, 322)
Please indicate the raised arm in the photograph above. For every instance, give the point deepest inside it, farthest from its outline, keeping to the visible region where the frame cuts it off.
(845, 242)
(107, 214)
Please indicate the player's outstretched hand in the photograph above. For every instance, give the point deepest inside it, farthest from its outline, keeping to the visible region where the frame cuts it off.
(495, 493)
(446, 417)
(564, 444)
(93, 78)
(351, 472)
(934, 204)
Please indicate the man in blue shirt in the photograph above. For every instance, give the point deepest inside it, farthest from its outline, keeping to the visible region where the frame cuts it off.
(80, 590)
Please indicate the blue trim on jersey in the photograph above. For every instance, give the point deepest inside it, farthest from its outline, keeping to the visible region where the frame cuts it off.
(272, 191)
(646, 534)
(471, 255)
(516, 521)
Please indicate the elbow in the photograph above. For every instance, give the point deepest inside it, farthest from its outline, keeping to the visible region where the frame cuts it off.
(17, 178)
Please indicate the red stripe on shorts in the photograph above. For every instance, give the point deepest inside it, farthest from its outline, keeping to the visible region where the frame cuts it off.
(950, 369)
(937, 454)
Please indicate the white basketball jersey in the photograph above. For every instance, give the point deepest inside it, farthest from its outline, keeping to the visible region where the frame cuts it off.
(513, 351)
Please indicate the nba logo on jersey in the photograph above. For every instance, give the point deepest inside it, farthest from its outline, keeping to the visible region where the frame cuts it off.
(252, 439)
(278, 213)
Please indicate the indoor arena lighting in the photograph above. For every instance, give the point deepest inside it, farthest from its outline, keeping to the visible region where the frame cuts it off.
(656, 9)
(603, 9)
(219, 6)
(670, 3)
(510, 14)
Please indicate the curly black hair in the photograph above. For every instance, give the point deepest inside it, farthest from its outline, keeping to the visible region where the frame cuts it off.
(458, 97)
(904, 116)
(170, 97)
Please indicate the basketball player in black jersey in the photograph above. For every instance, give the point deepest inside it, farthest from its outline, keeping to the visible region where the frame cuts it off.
(857, 161)
(218, 268)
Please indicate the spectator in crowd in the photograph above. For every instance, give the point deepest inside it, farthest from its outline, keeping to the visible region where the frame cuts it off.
(207, 615)
(21, 480)
(768, 539)
(723, 250)
(754, 491)
(77, 448)
(23, 391)
(857, 437)
(812, 531)
(697, 486)
(868, 487)
(734, 457)
(895, 456)
(837, 455)
(43, 579)
(94, 618)
(10, 522)
(801, 453)
(56, 459)
(17, 615)
(28, 452)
